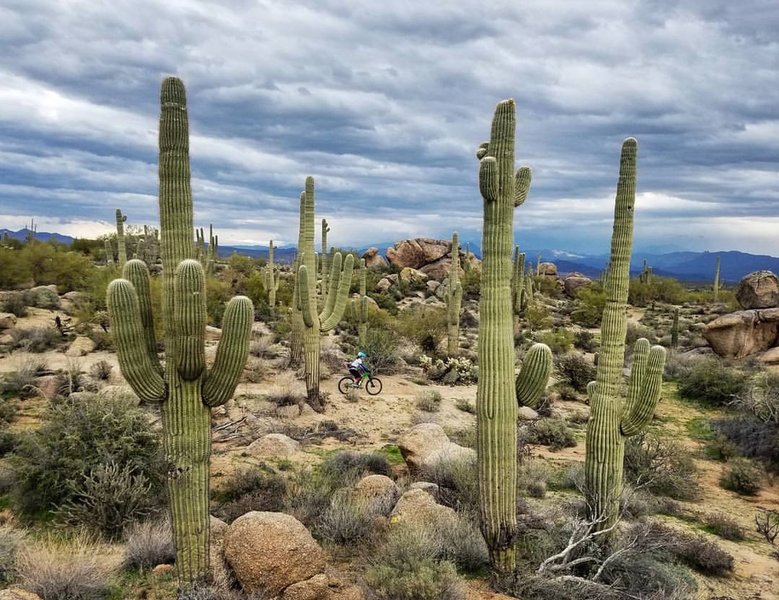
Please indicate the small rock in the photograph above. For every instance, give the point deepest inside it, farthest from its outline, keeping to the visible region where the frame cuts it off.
(383, 285)
(314, 588)
(162, 570)
(426, 486)
(759, 289)
(417, 506)
(81, 346)
(273, 445)
(525, 413)
(7, 320)
(15, 593)
(379, 492)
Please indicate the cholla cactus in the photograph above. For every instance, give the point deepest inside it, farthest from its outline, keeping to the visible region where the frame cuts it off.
(120, 243)
(454, 299)
(314, 323)
(498, 393)
(186, 389)
(271, 280)
(612, 420)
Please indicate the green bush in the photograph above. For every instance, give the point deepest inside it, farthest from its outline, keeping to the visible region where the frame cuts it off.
(457, 481)
(381, 348)
(77, 437)
(662, 466)
(742, 476)
(406, 568)
(590, 302)
(429, 400)
(659, 289)
(584, 340)
(38, 339)
(422, 324)
(713, 383)
(551, 432)
(558, 340)
(248, 489)
(575, 370)
(16, 304)
(749, 436)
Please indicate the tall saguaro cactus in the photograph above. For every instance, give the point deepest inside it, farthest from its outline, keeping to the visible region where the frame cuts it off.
(185, 388)
(271, 280)
(324, 259)
(454, 300)
(313, 322)
(716, 281)
(612, 420)
(109, 253)
(362, 309)
(497, 392)
(120, 243)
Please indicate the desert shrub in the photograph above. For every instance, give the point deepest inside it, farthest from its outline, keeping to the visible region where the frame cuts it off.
(264, 347)
(558, 340)
(38, 339)
(256, 370)
(742, 476)
(16, 304)
(148, 544)
(108, 499)
(584, 340)
(761, 397)
(75, 438)
(725, 527)
(767, 524)
(286, 397)
(702, 554)
(662, 466)
(60, 569)
(658, 289)
(429, 400)
(750, 437)
(551, 432)
(465, 405)
(406, 568)
(101, 370)
(590, 302)
(422, 324)
(70, 379)
(532, 476)
(712, 382)
(21, 381)
(454, 370)
(248, 489)
(635, 332)
(347, 520)
(381, 348)
(575, 370)
(458, 484)
(309, 494)
(102, 339)
(11, 541)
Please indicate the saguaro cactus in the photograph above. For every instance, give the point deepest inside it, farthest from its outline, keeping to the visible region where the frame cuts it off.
(675, 330)
(313, 322)
(612, 420)
(454, 299)
(496, 395)
(362, 309)
(109, 253)
(120, 244)
(518, 285)
(186, 389)
(324, 259)
(271, 280)
(716, 281)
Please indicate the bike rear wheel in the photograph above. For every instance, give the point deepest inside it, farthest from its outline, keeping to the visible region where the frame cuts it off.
(373, 386)
(345, 384)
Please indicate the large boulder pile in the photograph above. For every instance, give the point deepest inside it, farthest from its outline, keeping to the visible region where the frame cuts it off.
(426, 445)
(431, 257)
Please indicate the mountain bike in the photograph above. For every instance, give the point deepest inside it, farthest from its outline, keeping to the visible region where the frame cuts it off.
(372, 384)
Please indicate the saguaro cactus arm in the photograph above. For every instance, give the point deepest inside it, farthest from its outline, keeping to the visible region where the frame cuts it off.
(137, 273)
(132, 350)
(534, 375)
(639, 411)
(344, 276)
(522, 185)
(304, 296)
(231, 353)
(190, 315)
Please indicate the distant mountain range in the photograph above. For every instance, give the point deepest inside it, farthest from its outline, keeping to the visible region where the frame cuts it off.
(685, 266)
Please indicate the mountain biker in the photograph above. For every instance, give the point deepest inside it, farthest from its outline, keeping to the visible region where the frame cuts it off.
(357, 367)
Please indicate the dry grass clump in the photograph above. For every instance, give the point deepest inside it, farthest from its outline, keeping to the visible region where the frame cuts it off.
(11, 540)
(429, 401)
(148, 544)
(67, 569)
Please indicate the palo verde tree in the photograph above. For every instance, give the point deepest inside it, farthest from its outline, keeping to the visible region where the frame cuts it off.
(498, 391)
(185, 389)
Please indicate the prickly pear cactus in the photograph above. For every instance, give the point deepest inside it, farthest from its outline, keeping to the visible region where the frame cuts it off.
(497, 393)
(186, 389)
(613, 419)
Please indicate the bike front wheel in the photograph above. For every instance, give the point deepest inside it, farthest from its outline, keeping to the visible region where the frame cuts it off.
(345, 384)
(373, 386)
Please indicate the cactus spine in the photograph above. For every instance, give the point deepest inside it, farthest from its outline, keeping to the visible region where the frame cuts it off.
(496, 395)
(340, 281)
(120, 243)
(362, 311)
(271, 280)
(454, 299)
(186, 389)
(611, 419)
(716, 281)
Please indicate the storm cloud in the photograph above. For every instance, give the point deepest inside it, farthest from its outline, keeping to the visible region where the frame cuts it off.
(384, 104)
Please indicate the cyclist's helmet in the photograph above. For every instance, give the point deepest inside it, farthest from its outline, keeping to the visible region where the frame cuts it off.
(361, 355)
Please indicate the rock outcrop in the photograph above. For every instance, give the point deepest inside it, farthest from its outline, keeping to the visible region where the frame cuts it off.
(742, 333)
(573, 282)
(426, 445)
(547, 269)
(418, 252)
(269, 552)
(374, 260)
(759, 289)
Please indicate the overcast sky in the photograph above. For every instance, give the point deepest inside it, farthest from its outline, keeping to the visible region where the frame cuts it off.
(384, 103)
